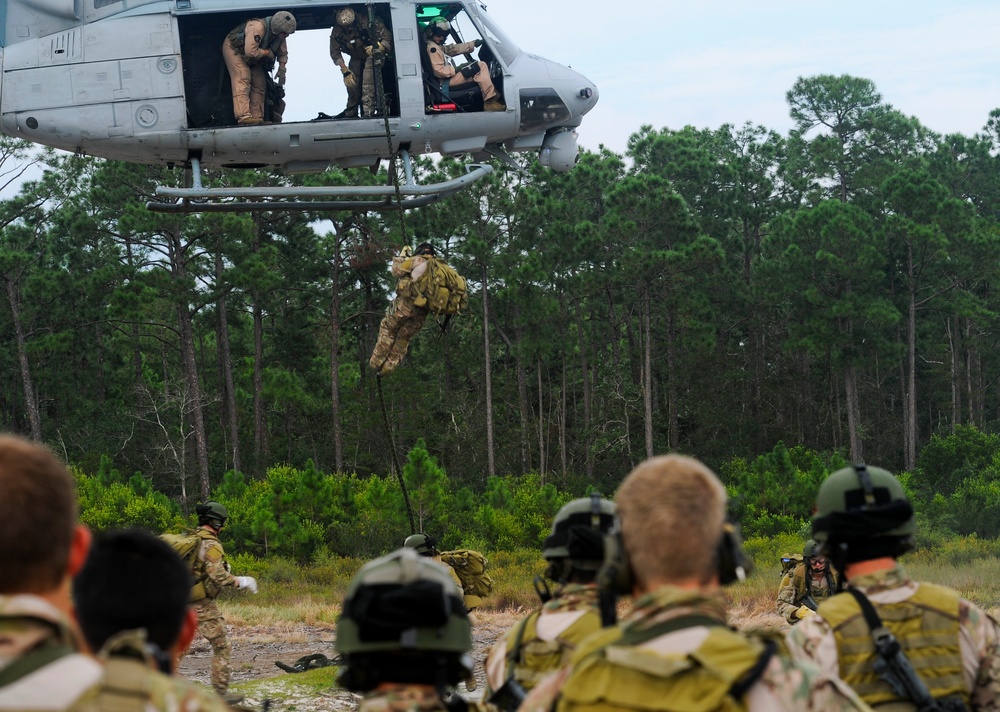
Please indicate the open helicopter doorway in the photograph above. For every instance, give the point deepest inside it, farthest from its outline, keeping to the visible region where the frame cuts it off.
(314, 88)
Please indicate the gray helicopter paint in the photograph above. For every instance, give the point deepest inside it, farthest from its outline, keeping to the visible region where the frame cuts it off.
(114, 87)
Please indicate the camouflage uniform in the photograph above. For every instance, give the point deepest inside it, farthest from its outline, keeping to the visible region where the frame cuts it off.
(404, 698)
(78, 683)
(30, 625)
(557, 629)
(978, 637)
(795, 586)
(352, 40)
(403, 319)
(212, 574)
(131, 683)
(622, 673)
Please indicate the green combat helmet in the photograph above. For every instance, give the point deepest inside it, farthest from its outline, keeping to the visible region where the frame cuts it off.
(862, 513)
(576, 545)
(403, 622)
(809, 550)
(212, 513)
(423, 544)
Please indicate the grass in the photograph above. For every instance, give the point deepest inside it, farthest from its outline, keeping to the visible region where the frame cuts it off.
(293, 594)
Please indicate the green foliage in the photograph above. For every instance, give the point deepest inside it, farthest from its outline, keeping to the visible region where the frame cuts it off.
(108, 503)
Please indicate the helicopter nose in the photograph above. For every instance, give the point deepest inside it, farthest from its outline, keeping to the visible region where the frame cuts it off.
(580, 93)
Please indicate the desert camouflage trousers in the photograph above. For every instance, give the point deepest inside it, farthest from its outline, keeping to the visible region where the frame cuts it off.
(212, 626)
(401, 322)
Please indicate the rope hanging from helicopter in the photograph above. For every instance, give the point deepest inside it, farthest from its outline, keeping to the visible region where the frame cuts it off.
(383, 111)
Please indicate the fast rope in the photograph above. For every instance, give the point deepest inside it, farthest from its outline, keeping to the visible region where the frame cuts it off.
(395, 457)
(380, 101)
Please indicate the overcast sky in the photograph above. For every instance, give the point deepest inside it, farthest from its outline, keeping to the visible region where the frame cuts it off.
(706, 63)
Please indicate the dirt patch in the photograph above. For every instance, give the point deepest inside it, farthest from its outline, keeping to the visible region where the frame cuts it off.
(255, 648)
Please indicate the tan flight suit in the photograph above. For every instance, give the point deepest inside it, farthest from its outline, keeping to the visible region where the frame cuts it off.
(953, 644)
(403, 319)
(350, 40)
(211, 576)
(247, 62)
(443, 69)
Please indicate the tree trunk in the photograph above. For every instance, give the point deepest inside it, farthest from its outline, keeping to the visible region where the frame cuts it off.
(956, 391)
(231, 415)
(488, 368)
(30, 401)
(585, 369)
(853, 413)
(562, 424)
(522, 394)
(335, 407)
(647, 374)
(672, 409)
(193, 388)
(541, 425)
(910, 421)
(260, 454)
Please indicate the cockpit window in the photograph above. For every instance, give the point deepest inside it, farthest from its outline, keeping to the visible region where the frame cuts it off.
(541, 108)
(499, 41)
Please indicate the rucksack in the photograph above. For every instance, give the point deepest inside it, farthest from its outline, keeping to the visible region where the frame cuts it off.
(470, 566)
(186, 546)
(441, 289)
(789, 562)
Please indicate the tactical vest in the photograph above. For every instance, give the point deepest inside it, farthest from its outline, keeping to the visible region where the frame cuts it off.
(802, 581)
(237, 39)
(926, 626)
(610, 673)
(533, 658)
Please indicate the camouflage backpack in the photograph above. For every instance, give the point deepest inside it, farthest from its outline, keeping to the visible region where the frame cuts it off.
(789, 562)
(186, 546)
(441, 289)
(470, 566)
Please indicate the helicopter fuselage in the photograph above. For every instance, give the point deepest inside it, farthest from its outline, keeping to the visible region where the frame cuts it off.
(144, 81)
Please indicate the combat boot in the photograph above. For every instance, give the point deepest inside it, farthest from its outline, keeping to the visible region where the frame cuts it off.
(494, 105)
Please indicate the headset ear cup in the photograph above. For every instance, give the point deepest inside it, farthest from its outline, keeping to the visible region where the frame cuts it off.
(733, 564)
(615, 574)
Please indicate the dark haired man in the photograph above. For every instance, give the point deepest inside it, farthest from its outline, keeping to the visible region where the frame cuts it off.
(131, 602)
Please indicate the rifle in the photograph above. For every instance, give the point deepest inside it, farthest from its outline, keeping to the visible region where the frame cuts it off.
(809, 602)
(896, 670)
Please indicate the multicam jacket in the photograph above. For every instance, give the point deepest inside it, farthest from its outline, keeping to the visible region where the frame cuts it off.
(39, 666)
(953, 644)
(544, 641)
(797, 584)
(694, 665)
(130, 684)
(211, 571)
(404, 698)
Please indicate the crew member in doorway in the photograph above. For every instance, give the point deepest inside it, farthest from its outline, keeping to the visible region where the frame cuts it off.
(352, 36)
(250, 51)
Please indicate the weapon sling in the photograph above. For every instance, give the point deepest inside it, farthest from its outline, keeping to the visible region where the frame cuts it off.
(895, 669)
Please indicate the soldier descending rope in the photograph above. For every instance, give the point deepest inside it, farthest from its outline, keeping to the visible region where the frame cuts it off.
(425, 285)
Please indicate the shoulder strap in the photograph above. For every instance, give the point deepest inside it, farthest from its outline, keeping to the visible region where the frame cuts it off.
(38, 658)
(638, 637)
(750, 678)
(895, 668)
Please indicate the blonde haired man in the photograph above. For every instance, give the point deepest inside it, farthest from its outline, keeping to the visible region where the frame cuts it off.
(674, 651)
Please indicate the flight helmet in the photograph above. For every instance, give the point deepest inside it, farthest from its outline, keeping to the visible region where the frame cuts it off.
(283, 23)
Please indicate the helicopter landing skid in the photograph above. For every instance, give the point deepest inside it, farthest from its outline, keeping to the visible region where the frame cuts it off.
(199, 199)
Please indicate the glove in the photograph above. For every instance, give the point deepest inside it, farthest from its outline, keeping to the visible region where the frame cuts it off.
(469, 70)
(377, 49)
(281, 76)
(804, 612)
(477, 43)
(247, 582)
(350, 81)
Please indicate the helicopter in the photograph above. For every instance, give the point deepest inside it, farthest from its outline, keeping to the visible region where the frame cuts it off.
(144, 81)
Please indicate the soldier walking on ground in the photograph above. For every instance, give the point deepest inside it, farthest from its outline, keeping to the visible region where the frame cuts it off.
(674, 651)
(807, 584)
(405, 636)
(543, 641)
(896, 641)
(211, 575)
